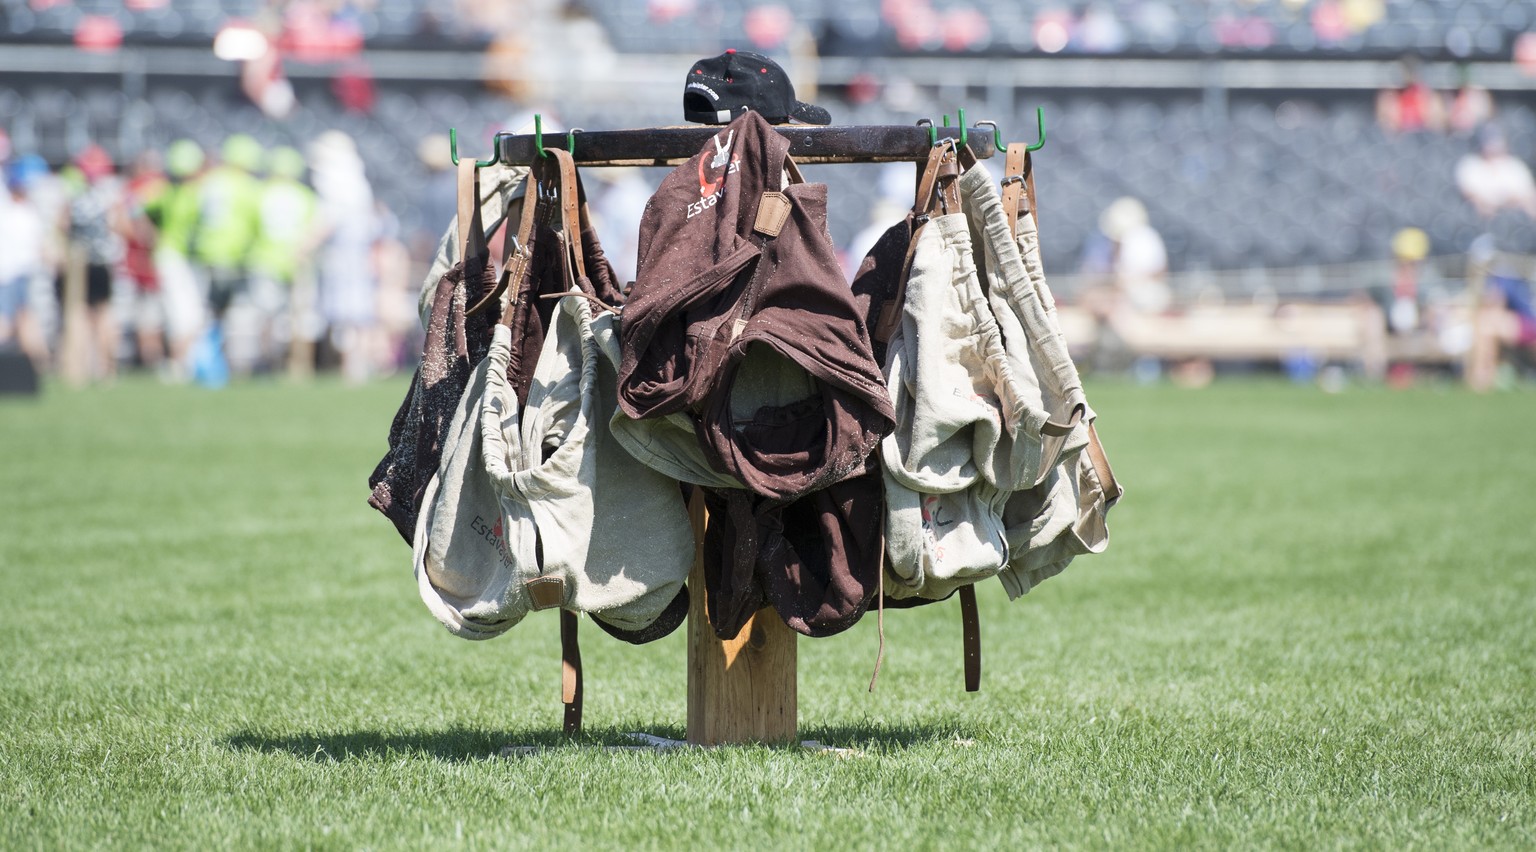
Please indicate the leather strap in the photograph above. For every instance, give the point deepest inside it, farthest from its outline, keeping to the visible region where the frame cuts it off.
(1014, 186)
(970, 637)
(927, 198)
(924, 203)
(570, 675)
(1053, 436)
(518, 251)
(1029, 189)
(570, 207)
(1112, 489)
(468, 197)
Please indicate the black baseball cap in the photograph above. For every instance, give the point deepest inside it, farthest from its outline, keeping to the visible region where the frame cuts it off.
(721, 88)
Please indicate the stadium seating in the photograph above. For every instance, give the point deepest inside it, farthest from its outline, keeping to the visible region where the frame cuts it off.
(1320, 184)
(1472, 30)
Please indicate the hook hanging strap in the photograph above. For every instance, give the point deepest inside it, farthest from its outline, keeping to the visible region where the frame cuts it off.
(571, 212)
(518, 250)
(1019, 188)
(927, 201)
(469, 222)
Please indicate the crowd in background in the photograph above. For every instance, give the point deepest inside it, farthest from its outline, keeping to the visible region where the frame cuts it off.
(199, 265)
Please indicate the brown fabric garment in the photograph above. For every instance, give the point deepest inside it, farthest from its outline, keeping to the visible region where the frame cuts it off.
(454, 344)
(722, 307)
(878, 279)
(710, 289)
(816, 560)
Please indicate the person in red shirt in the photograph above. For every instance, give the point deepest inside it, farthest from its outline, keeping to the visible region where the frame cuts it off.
(146, 181)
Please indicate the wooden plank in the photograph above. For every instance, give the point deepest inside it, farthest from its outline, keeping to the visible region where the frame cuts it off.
(742, 690)
(808, 144)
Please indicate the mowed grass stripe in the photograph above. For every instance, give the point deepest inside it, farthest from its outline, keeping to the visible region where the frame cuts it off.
(1315, 625)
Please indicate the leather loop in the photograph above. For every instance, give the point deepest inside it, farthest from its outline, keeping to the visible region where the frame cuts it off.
(571, 212)
(468, 198)
(792, 170)
(1029, 189)
(570, 673)
(970, 637)
(924, 203)
(1112, 489)
(519, 250)
(1013, 187)
(927, 184)
(1053, 436)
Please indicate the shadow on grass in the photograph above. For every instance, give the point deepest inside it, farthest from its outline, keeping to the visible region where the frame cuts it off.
(459, 745)
(891, 737)
(452, 745)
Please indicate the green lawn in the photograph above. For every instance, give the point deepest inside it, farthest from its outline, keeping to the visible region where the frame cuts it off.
(1315, 626)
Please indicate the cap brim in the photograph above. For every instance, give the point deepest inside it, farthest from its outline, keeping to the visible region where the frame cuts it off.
(810, 114)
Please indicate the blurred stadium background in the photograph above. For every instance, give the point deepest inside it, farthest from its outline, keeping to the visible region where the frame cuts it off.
(1285, 152)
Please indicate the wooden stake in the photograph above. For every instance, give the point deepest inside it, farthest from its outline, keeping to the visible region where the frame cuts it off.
(742, 690)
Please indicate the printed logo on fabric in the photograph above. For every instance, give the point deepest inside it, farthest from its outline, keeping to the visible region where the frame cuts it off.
(931, 508)
(712, 176)
(494, 536)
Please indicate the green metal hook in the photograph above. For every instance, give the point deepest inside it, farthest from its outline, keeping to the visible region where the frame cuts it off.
(453, 150)
(538, 134)
(1040, 127)
(997, 135)
(961, 120)
(570, 140)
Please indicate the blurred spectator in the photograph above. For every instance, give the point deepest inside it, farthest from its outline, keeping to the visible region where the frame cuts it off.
(439, 193)
(1492, 179)
(348, 287)
(398, 321)
(1099, 31)
(1471, 105)
(280, 259)
(1404, 306)
(146, 314)
(1413, 106)
(21, 258)
(1409, 248)
(1506, 321)
(175, 212)
(92, 213)
(230, 217)
(1140, 261)
(619, 199)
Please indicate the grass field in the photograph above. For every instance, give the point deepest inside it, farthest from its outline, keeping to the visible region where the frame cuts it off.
(1315, 626)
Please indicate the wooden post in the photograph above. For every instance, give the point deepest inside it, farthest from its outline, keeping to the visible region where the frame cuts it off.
(742, 690)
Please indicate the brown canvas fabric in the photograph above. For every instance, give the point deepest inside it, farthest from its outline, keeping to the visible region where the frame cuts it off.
(740, 318)
(757, 330)
(816, 560)
(455, 342)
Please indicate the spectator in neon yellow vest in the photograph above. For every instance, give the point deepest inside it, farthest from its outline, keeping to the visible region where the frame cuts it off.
(282, 275)
(175, 211)
(230, 220)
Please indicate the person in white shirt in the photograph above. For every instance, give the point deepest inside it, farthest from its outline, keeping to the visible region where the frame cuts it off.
(1493, 180)
(21, 260)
